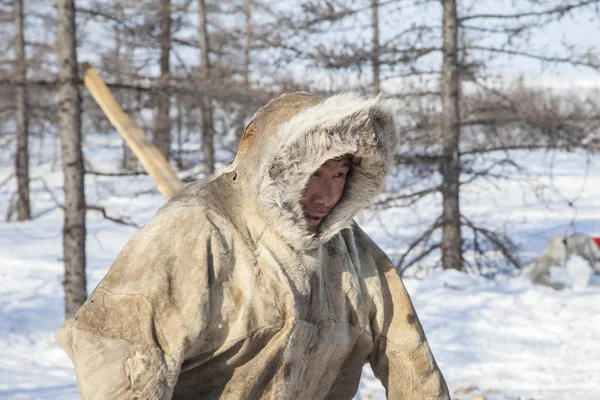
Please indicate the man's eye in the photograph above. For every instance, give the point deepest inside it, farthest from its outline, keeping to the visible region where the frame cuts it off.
(340, 175)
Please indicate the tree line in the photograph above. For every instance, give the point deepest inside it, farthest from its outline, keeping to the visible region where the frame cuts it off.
(192, 72)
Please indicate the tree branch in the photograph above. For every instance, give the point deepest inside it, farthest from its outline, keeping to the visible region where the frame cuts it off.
(539, 57)
(128, 173)
(550, 11)
(414, 197)
(501, 244)
(425, 236)
(118, 220)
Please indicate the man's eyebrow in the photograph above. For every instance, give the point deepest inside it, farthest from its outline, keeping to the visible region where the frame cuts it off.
(346, 164)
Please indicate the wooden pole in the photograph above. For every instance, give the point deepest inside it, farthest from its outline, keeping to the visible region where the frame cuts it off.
(150, 157)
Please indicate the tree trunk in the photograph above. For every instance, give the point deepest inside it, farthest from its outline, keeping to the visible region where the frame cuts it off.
(375, 52)
(162, 132)
(118, 62)
(206, 103)
(22, 158)
(69, 123)
(450, 164)
(248, 42)
(179, 130)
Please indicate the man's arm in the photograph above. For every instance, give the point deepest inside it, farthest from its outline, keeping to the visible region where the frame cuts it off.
(118, 360)
(128, 339)
(401, 357)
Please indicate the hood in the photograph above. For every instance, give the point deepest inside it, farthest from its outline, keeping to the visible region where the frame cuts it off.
(292, 136)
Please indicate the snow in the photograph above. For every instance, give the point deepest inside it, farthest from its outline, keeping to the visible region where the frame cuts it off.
(493, 339)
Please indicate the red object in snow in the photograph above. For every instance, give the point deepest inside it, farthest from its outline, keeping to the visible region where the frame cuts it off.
(597, 240)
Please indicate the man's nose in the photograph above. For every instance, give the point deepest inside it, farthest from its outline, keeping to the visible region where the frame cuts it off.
(324, 195)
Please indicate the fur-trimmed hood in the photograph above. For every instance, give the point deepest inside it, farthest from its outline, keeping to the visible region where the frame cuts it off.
(292, 136)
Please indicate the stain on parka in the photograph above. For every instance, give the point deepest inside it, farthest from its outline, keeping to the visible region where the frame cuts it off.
(226, 294)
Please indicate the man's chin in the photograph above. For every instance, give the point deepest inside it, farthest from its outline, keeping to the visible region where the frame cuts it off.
(313, 225)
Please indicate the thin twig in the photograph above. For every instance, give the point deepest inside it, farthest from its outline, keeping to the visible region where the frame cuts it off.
(8, 178)
(117, 220)
(128, 173)
(556, 10)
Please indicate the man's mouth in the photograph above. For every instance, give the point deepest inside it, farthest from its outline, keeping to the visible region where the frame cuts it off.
(314, 218)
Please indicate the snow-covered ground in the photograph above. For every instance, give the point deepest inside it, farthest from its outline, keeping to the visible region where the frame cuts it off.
(496, 339)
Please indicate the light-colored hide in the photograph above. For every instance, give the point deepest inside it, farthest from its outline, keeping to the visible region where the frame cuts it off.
(557, 252)
(226, 294)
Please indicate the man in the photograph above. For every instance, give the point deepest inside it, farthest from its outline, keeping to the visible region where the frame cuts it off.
(256, 282)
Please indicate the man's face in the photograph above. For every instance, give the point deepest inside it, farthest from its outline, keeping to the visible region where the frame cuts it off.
(324, 189)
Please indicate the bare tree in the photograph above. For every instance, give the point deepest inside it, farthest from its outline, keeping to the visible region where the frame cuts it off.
(375, 50)
(22, 157)
(119, 66)
(207, 108)
(69, 123)
(248, 41)
(162, 131)
(450, 136)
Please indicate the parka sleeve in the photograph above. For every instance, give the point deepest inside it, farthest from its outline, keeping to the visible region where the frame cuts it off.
(401, 357)
(128, 339)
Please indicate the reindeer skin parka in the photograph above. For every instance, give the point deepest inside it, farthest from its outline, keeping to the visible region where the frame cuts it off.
(226, 294)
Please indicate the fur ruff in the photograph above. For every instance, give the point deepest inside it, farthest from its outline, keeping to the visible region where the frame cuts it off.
(342, 124)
